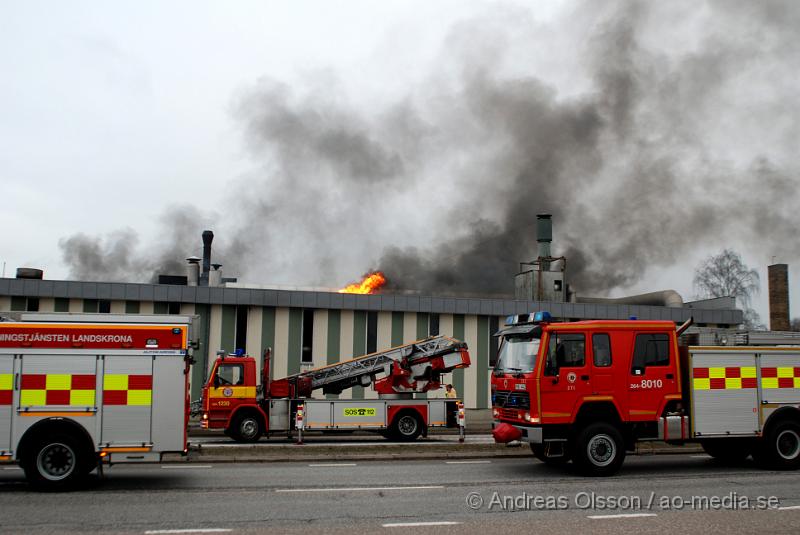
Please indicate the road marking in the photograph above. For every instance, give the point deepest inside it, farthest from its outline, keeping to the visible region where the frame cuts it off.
(467, 462)
(700, 456)
(332, 464)
(353, 489)
(789, 508)
(630, 515)
(12, 468)
(198, 530)
(180, 466)
(419, 524)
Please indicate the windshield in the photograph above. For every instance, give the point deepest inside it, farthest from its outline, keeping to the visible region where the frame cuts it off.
(517, 355)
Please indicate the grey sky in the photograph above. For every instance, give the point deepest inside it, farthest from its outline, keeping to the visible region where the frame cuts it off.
(117, 115)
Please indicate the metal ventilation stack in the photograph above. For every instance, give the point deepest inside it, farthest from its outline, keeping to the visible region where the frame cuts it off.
(543, 279)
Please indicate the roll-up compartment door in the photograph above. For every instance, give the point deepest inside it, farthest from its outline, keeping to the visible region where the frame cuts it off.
(127, 400)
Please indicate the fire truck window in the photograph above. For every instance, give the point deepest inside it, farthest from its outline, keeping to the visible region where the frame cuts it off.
(231, 374)
(650, 350)
(601, 347)
(565, 351)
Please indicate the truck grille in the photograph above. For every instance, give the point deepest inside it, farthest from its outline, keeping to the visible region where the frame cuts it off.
(509, 414)
(511, 399)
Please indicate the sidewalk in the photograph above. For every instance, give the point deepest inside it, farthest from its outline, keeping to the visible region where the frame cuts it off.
(365, 447)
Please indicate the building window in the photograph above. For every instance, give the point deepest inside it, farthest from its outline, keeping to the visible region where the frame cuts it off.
(25, 304)
(307, 354)
(494, 326)
(61, 304)
(90, 305)
(433, 324)
(241, 327)
(18, 303)
(164, 307)
(372, 332)
(104, 306)
(131, 307)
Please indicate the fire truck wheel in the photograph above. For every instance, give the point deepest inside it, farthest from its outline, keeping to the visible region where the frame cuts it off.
(780, 448)
(246, 428)
(406, 427)
(539, 452)
(599, 450)
(56, 462)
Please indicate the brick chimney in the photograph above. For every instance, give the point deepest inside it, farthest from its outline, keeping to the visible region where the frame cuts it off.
(778, 297)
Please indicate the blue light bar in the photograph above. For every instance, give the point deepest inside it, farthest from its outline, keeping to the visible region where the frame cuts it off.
(542, 316)
(533, 317)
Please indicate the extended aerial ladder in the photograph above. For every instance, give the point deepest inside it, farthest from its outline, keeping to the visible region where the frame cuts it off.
(405, 369)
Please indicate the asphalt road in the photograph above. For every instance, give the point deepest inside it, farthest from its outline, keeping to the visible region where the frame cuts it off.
(397, 496)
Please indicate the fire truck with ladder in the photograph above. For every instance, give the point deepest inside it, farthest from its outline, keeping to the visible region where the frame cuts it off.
(245, 410)
(589, 391)
(78, 391)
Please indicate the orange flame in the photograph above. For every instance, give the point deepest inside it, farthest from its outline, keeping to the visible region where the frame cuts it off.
(370, 284)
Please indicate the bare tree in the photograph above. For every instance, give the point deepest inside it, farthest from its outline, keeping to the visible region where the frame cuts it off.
(795, 324)
(725, 275)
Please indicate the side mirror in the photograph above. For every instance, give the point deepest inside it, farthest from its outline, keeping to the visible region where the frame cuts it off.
(216, 381)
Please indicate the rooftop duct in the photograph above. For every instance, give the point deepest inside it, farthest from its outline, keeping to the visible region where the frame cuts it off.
(215, 275)
(193, 271)
(29, 273)
(544, 236)
(208, 237)
(664, 298)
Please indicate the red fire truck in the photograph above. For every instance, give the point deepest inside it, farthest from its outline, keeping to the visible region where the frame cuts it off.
(233, 401)
(588, 391)
(77, 391)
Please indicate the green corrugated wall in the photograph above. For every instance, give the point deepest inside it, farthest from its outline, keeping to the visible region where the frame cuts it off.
(458, 334)
(359, 344)
(334, 340)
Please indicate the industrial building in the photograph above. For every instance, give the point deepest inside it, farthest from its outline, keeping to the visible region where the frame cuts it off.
(313, 327)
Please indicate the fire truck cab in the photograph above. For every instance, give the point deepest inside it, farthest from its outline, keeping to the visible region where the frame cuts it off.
(587, 391)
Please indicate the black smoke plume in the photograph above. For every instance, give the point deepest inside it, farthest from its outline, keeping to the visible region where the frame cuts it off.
(670, 129)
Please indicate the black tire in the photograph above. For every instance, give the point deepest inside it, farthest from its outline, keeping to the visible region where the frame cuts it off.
(406, 427)
(599, 450)
(58, 462)
(728, 450)
(246, 427)
(540, 452)
(780, 447)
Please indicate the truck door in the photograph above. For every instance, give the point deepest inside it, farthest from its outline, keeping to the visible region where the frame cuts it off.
(6, 401)
(228, 390)
(652, 375)
(566, 377)
(602, 377)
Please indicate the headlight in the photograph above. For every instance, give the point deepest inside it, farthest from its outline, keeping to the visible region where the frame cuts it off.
(495, 412)
(205, 416)
(526, 417)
